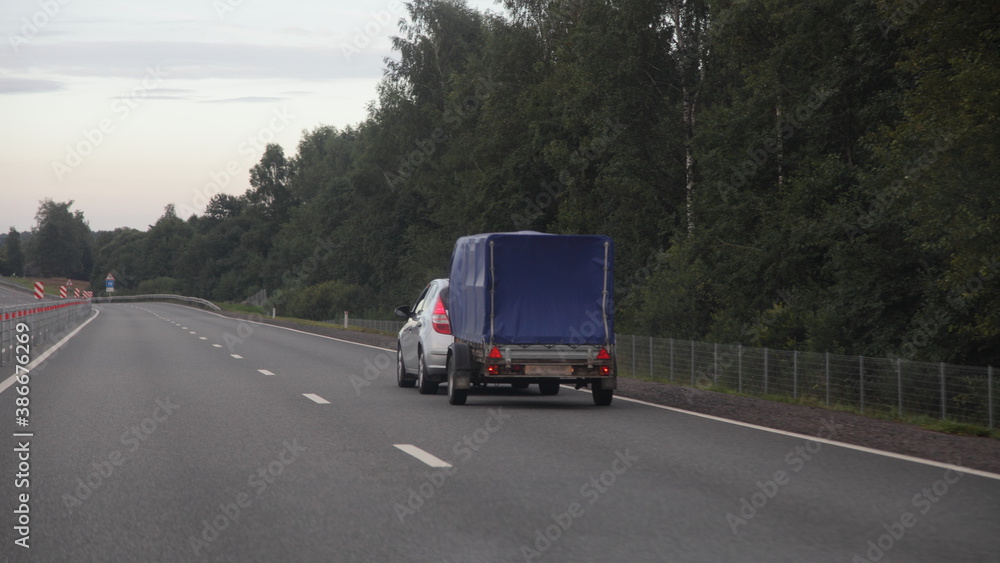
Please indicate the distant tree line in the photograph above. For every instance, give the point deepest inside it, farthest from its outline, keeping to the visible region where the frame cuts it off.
(809, 175)
(60, 245)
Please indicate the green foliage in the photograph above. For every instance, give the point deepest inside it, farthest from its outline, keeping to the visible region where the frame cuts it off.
(325, 301)
(12, 255)
(163, 285)
(809, 175)
(62, 244)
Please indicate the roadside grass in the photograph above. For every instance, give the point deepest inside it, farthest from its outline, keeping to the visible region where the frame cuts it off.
(923, 421)
(254, 310)
(241, 308)
(51, 284)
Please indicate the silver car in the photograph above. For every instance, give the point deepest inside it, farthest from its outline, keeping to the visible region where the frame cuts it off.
(422, 348)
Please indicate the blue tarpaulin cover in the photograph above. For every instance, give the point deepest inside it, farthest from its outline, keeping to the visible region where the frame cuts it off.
(546, 289)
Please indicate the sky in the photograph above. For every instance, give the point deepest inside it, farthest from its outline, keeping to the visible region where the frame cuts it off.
(127, 106)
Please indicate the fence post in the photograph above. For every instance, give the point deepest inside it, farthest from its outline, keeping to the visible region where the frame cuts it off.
(795, 374)
(345, 319)
(861, 379)
(899, 384)
(715, 364)
(944, 396)
(633, 355)
(739, 366)
(671, 360)
(989, 394)
(651, 358)
(765, 370)
(692, 363)
(828, 379)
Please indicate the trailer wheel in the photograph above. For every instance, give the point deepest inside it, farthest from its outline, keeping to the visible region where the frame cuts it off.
(549, 387)
(455, 396)
(424, 384)
(603, 397)
(402, 379)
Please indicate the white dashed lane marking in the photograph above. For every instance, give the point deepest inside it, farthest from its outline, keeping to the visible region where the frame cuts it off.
(423, 456)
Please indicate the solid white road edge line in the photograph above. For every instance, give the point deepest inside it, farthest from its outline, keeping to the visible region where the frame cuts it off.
(52, 350)
(423, 456)
(883, 453)
(289, 329)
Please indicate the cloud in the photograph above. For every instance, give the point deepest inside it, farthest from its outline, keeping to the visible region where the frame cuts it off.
(169, 94)
(248, 100)
(29, 86)
(195, 60)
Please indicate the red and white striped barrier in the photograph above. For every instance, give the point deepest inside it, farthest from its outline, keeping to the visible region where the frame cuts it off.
(76, 292)
(39, 290)
(62, 291)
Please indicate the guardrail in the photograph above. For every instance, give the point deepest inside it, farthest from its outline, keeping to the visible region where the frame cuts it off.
(872, 385)
(158, 297)
(48, 321)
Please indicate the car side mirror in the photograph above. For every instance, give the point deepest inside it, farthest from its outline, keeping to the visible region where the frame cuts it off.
(403, 312)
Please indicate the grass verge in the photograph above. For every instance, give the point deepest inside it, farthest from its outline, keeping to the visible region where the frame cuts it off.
(923, 421)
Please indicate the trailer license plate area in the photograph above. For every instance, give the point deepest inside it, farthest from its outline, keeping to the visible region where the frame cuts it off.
(554, 371)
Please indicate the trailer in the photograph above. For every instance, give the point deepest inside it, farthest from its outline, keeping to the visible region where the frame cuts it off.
(532, 308)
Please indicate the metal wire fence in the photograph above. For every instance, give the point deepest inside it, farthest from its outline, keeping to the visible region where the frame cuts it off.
(370, 324)
(871, 385)
(47, 321)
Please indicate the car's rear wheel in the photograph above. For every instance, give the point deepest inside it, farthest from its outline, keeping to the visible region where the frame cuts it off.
(424, 384)
(603, 397)
(549, 387)
(402, 379)
(455, 396)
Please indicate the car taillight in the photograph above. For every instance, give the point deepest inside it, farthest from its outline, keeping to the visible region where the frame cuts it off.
(603, 354)
(439, 318)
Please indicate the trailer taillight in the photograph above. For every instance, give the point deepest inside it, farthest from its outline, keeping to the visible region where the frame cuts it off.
(439, 318)
(605, 370)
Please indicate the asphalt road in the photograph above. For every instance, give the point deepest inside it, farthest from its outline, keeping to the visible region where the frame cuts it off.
(12, 296)
(153, 442)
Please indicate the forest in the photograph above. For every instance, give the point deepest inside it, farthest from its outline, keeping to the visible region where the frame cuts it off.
(800, 174)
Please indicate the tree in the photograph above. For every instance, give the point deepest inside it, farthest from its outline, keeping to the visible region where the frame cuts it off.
(689, 49)
(13, 254)
(939, 166)
(270, 181)
(62, 244)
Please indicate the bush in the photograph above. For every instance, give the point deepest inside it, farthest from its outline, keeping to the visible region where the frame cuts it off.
(159, 285)
(325, 301)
